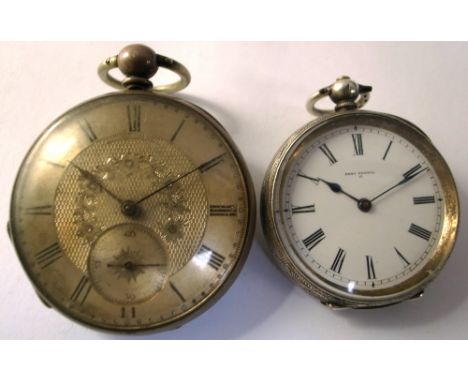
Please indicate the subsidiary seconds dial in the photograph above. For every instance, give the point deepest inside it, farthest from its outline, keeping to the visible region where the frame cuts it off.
(142, 212)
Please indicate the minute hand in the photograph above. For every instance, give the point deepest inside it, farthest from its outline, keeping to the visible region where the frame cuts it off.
(407, 176)
(203, 167)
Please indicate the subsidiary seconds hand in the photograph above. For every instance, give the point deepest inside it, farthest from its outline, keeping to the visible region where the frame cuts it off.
(129, 265)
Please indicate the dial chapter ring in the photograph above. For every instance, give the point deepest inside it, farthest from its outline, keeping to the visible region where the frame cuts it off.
(282, 249)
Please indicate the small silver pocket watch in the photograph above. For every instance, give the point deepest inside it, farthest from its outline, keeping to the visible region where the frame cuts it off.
(359, 207)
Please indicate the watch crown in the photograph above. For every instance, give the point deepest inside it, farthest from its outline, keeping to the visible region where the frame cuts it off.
(139, 63)
(344, 92)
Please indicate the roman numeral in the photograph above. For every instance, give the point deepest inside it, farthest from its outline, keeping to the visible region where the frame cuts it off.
(177, 292)
(401, 256)
(411, 172)
(338, 262)
(86, 127)
(370, 268)
(357, 141)
(420, 232)
(223, 210)
(216, 260)
(211, 163)
(123, 312)
(210, 257)
(303, 209)
(324, 149)
(134, 113)
(177, 131)
(388, 149)
(423, 199)
(48, 255)
(311, 241)
(39, 210)
(81, 291)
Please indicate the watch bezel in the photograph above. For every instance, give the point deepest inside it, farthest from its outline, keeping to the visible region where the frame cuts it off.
(284, 252)
(211, 298)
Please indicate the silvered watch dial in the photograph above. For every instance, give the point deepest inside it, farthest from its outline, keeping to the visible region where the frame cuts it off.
(132, 211)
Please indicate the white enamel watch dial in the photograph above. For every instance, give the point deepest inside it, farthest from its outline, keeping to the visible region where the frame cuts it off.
(352, 246)
(359, 208)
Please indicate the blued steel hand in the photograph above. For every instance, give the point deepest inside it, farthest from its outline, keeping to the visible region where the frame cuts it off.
(407, 176)
(335, 187)
(93, 178)
(363, 204)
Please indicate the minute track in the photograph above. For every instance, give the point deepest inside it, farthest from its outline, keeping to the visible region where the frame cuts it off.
(318, 249)
(357, 154)
(131, 289)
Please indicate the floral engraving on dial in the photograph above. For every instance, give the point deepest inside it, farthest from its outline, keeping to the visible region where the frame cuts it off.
(111, 221)
(131, 167)
(173, 228)
(115, 171)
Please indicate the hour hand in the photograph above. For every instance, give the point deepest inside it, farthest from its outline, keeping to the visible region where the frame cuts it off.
(335, 187)
(94, 179)
(363, 204)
